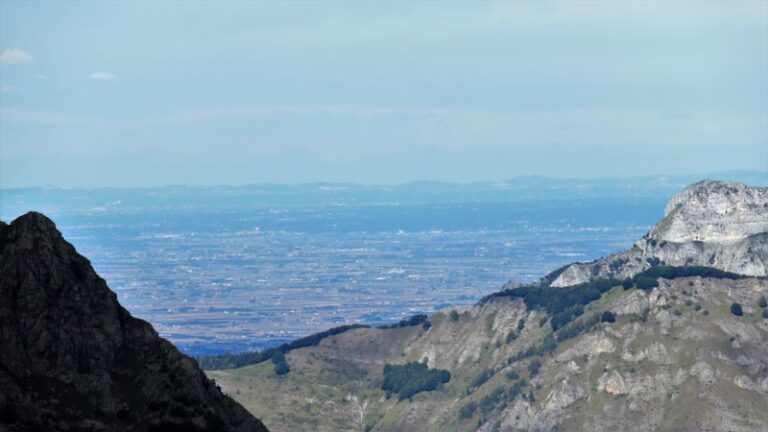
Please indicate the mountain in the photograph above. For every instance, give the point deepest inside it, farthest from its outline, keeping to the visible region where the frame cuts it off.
(710, 223)
(73, 359)
(657, 344)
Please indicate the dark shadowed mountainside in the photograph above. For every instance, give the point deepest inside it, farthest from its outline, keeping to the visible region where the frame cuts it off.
(73, 359)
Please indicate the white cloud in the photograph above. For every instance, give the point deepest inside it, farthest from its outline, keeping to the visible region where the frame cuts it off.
(15, 56)
(101, 75)
(11, 89)
(41, 77)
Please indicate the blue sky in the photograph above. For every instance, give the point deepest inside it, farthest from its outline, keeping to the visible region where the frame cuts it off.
(154, 93)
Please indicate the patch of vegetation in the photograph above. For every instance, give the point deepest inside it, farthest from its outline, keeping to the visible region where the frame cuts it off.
(411, 378)
(608, 317)
(547, 345)
(426, 326)
(489, 402)
(520, 324)
(765, 313)
(468, 410)
(454, 315)
(576, 328)
(233, 361)
(479, 380)
(281, 366)
(763, 302)
(564, 303)
(673, 272)
(736, 309)
(511, 336)
(512, 375)
(408, 322)
(534, 366)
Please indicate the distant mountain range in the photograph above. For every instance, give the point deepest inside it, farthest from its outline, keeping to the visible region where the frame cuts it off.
(421, 192)
(667, 336)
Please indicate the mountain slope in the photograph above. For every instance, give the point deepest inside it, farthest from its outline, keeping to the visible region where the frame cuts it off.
(669, 351)
(710, 223)
(73, 359)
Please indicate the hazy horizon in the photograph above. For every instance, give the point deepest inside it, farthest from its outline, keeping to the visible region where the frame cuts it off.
(143, 94)
(744, 176)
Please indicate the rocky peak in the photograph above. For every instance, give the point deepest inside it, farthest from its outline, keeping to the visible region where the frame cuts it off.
(710, 223)
(73, 359)
(714, 211)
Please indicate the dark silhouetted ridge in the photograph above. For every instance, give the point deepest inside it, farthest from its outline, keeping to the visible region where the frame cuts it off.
(73, 359)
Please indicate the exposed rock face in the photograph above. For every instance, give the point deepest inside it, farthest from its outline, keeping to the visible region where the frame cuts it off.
(714, 211)
(72, 359)
(710, 223)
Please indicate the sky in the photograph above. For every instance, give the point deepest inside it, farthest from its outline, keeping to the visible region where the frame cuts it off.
(155, 93)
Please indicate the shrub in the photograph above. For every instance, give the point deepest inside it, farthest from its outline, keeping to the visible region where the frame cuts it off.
(480, 380)
(627, 284)
(543, 320)
(512, 375)
(763, 303)
(765, 313)
(520, 325)
(511, 336)
(534, 366)
(281, 366)
(468, 410)
(427, 325)
(736, 309)
(454, 315)
(608, 317)
(489, 402)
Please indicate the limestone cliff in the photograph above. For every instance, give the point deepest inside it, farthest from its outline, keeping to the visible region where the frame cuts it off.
(710, 223)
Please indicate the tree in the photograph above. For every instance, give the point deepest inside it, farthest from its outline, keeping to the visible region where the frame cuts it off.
(511, 336)
(520, 325)
(736, 309)
(765, 313)
(763, 303)
(534, 367)
(627, 284)
(608, 317)
(281, 366)
(468, 410)
(454, 315)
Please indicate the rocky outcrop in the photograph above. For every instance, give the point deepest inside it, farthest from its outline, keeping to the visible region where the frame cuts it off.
(73, 359)
(711, 223)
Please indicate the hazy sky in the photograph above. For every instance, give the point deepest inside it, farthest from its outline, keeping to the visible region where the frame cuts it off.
(152, 93)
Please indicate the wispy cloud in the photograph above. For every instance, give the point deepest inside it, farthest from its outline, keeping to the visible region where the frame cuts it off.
(46, 118)
(11, 89)
(103, 76)
(15, 56)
